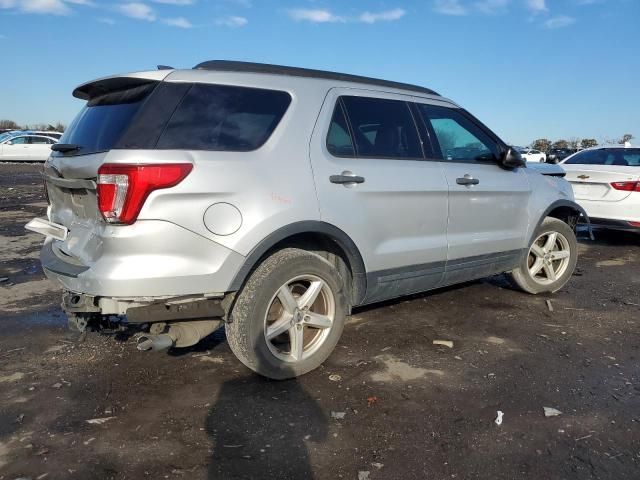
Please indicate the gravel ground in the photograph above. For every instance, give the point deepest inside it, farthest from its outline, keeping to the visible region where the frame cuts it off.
(388, 404)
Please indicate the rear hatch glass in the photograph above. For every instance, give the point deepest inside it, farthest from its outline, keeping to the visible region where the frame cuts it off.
(102, 122)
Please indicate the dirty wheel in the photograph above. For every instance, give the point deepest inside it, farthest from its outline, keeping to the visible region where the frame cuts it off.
(289, 316)
(551, 259)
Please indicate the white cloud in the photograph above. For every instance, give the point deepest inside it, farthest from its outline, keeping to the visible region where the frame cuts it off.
(314, 15)
(450, 7)
(175, 2)
(537, 6)
(491, 7)
(179, 22)
(386, 16)
(559, 21)
(139, 11)
(55, 7)
(232, 21)
(107, 20)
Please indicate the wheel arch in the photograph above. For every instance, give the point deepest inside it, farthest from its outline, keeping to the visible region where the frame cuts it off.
(310, 235)
(565, 210)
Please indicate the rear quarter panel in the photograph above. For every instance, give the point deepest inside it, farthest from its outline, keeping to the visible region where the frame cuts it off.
(271, 186)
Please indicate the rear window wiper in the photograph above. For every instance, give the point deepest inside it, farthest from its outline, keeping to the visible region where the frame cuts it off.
(65, 147)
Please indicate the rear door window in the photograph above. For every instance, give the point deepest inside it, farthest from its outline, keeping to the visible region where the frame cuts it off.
(339, 141)
(224, 118)
(382, 128)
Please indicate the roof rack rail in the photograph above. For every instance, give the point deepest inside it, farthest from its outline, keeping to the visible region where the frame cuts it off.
(250, 67)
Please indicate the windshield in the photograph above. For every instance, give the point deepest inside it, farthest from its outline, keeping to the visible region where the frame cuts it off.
(626, 157)
(6, 135)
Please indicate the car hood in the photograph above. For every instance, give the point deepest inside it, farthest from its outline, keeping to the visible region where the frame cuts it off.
(551, 169)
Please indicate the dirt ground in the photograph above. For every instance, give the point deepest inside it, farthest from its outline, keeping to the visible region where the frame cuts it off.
(388, 404)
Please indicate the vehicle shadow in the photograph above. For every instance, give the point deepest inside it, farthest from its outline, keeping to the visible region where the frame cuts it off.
(262, 428)
(616, 238)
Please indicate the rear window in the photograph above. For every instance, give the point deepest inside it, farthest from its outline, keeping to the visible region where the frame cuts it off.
(224, 118)
(103, 120)
(626, 157)
(178, 116)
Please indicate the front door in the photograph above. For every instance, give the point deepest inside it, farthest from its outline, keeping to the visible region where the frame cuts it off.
(17, 150)
(374, 183)
(488, 204)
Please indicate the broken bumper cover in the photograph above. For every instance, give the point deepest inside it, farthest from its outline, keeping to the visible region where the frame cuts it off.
(152, 259)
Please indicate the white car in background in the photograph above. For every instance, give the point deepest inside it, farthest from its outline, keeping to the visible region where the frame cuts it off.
(531, 155)
(25, 146)
(606, 183)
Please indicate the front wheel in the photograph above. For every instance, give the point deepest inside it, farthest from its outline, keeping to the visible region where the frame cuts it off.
(551, 259)
(289, 316)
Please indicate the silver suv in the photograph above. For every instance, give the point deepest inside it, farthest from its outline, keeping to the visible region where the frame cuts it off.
(275, 199)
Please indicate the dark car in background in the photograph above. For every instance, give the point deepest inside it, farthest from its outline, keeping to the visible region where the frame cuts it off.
(556, 155)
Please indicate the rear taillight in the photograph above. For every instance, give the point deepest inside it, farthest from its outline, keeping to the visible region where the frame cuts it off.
(627, 186)
(123, 189)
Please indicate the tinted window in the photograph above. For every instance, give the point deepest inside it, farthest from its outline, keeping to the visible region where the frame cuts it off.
(382, 128)
(458, 136)
(40, 140)
(218, 117)
(339, 140)
(617, 156)
(20, 140)
(104, 119)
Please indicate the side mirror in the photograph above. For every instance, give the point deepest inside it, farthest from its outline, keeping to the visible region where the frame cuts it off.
(513, 159)
(9, 142)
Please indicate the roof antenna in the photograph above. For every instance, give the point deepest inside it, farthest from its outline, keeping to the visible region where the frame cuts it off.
(165, 67)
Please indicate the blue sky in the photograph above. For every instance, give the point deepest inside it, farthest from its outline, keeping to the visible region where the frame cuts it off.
(527, 68)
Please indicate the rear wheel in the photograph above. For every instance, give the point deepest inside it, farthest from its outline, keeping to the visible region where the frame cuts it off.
(289, 316)
(551, 259)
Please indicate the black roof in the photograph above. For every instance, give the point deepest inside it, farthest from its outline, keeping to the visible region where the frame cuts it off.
(249, 67)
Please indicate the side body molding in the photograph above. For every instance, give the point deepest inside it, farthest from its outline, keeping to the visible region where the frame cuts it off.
(308, 227)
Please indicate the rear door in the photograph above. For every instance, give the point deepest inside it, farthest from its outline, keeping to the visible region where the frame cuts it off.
(594, 174)
(488, 204)
(373, 182)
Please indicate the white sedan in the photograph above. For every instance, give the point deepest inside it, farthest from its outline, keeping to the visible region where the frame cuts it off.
(606, 183)
(532, 155)
(25, 146)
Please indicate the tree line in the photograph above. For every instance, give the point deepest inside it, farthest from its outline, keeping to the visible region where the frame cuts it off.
(544, 144)
(11, 125)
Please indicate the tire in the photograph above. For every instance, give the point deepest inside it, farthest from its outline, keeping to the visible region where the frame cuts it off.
(534, 273)
(303, 332)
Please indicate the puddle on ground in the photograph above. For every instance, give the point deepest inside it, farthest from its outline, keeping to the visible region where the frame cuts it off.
(14, 377)
(495, 340)
(396, 369)
(616, 262)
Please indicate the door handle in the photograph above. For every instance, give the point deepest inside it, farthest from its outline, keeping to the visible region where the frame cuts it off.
(467, 180)
(346, 177)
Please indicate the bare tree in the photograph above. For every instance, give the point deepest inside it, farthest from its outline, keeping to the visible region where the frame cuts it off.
(574, 142)
(60, 127)
(541, 144)
(588, 143)
(560, 144)
(627, 137)
(9, 124)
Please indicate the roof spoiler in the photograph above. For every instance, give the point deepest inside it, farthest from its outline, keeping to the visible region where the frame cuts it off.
(102, 86)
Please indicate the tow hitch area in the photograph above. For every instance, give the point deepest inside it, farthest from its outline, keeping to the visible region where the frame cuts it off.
(174, 322)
